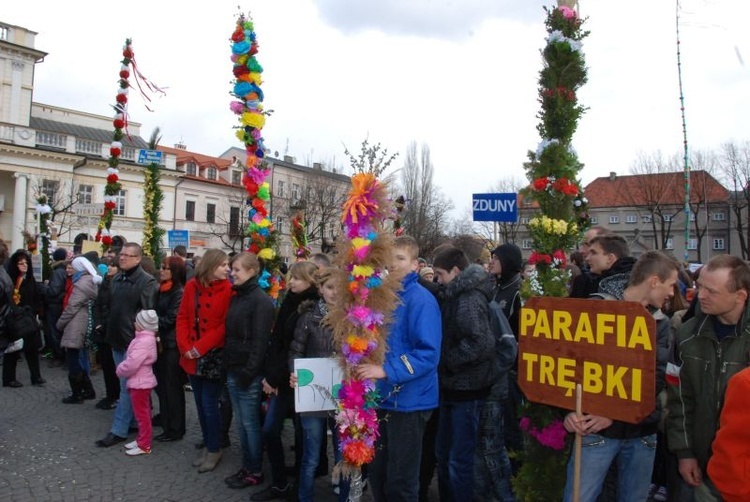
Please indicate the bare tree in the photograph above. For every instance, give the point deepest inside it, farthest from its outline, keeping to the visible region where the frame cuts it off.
(734, 164)
(703, 166)
(425, 211)
(651, 193)
(230, 226)
(371, 159)
(62, 196)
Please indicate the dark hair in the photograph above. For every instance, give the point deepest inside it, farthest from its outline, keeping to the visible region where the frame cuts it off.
(3, 251)
(176, 266)
(611, 244)
(180, 251)
(652, 263)
(135, 247)
(13, 270)
(577, 258)
(148, 265)
(449, 258)
(739, 272)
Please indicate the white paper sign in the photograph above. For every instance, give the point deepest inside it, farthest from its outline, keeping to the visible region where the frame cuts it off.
(319, 381)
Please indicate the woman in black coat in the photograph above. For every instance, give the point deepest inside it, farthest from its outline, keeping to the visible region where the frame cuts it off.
(26, 292)
(169, 375)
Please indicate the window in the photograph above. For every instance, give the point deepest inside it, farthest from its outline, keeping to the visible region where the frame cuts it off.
(718, 216)
(85, 194)
(718, 243)
(667, 217)
(614, 219)
(295, 192)
(190, 210)
(211, 213)
(280, 188)
(692, 244)
(50, 189)
(647, 218)
(4, 32)
(190, 169)
(236, 177)
(119, 204)
(594, 220)
(280, 224)
(669, 244)
(234, 221)
(526, 244)
(211, 173)
(692, 216)
(631, 218)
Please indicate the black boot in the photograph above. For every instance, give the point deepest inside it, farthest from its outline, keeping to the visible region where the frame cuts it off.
(76, 387)
(87, 390)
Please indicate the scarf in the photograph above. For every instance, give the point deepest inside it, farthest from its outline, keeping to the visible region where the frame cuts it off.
(165, 286)
(17, 290)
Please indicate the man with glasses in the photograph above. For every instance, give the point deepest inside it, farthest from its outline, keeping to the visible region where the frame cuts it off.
(131, 290)
(710, 348)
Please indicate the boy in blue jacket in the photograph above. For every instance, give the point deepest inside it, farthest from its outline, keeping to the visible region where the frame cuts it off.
(407, 382)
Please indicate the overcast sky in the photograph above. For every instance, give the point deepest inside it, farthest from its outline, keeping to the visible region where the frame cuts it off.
(458, 75)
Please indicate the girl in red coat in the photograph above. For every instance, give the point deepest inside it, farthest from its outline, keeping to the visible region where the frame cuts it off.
(200, 335)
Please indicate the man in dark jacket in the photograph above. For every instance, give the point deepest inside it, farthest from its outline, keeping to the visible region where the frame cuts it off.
(711, 347)
(467, 361)
(587, 283)
(54, 292)
(650, 283)
(131, 290)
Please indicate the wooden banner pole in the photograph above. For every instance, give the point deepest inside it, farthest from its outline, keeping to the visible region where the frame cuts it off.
(577, 454)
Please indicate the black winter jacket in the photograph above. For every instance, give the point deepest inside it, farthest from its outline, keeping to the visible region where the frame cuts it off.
(167, 307)
(467, 355)
(311, 337)
(129, 292)
(277, 360)
(248, 329)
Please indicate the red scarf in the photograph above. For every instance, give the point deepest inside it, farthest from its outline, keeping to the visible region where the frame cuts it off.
(165, 286)
(68, 290)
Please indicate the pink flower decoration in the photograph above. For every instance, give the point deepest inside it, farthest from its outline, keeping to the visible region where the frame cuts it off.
(567, 12)
(237, 107)
(258, 175)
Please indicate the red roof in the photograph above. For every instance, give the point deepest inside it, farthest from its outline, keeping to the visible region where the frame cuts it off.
(649, 189)
(184, 156)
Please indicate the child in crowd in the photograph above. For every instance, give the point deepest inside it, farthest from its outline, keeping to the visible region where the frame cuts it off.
(138, 369)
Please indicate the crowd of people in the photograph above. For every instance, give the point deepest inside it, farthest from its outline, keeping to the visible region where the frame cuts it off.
(448, 386)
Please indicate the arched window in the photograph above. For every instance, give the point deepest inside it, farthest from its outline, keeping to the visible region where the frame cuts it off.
(211, 173)
(78, 242)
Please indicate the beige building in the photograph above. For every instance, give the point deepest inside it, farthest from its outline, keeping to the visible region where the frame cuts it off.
(63, 153)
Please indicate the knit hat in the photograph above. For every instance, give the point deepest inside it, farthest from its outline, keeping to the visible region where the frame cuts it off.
(148, 320)
(81, 264)
(60, 254)
(425, 271)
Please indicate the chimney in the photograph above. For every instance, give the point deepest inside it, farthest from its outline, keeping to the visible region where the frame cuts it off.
(612, 176)
(180, 146)
(318, 166)
(289, 158)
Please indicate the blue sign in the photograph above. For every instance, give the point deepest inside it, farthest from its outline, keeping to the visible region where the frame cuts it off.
(178, 238)
(495, 207)
(149, 156)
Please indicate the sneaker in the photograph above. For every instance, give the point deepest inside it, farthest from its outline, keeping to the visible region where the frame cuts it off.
(248, 479)
(237, 475)
(660, 495)
(270, 493)
(137, 451)
(106, 404)
(131, 445)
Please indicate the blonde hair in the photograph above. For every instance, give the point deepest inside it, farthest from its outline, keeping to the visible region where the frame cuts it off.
(212, 259)
(247, 260)
(304, 271)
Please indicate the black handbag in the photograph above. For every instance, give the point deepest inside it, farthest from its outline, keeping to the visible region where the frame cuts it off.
(211, 364)
(21, 322)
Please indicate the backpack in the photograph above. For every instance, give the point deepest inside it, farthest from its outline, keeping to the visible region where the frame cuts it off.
(506, 346)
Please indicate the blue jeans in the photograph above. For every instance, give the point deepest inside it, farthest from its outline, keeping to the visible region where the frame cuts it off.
(206, 393)
(124, 413)
(394, 473)
(492, 473)
(458, 432)
(313, 428)
(279, 407)
(246, 406)
(635, 463)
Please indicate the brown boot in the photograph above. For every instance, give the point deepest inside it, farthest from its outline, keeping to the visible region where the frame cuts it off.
(212, 460)
(201, 458)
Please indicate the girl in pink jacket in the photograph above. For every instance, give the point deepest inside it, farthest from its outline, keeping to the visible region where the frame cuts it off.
(137, 368)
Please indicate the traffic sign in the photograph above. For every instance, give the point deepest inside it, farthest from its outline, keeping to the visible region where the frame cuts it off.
(178, 238)
(495, 207)
(149, 156)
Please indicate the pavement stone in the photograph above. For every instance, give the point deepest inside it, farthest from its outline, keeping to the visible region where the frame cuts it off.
(47, 453)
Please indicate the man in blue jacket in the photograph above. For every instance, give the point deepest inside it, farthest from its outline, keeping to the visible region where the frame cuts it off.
(407, 382)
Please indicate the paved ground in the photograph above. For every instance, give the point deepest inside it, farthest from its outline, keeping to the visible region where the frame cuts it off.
(47, 453)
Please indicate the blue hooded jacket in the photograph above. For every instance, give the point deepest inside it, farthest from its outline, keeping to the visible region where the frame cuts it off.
(411, 361)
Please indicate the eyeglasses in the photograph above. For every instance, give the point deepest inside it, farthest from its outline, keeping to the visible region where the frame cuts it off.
(130, 255)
